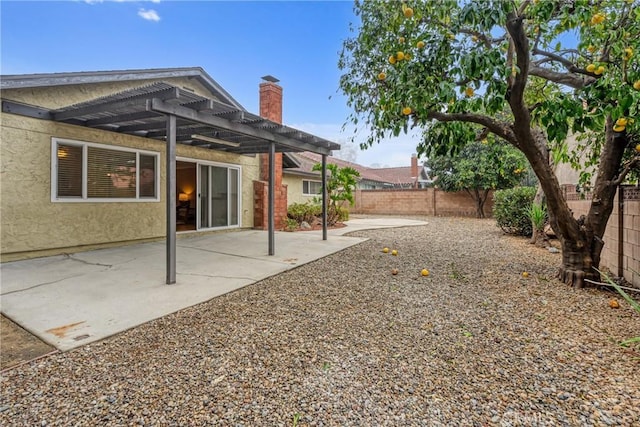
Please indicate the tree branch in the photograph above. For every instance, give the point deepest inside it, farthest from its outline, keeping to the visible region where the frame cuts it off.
(631, 164)
(567, 79)
(502, 129)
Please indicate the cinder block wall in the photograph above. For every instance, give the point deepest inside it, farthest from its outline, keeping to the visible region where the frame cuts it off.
(426, 201)
(630, 232)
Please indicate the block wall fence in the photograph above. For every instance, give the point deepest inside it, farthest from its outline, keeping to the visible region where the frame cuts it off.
(426, 201)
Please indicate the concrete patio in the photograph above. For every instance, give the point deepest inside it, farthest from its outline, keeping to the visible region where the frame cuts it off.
(71, 300)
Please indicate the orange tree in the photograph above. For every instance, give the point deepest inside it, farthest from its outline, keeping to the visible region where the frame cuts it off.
(526, 72)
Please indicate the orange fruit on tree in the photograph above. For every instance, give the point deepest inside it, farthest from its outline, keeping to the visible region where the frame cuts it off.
(392, 59)
(617, 128)
(408, 12)
(591, 48)
(591, 68)
(628, 53)
(622, 121)
(638, 148)
(401, 39)
(406, 111)
(400, 55)
(382, 76)
(469, 91)
(636, 85)
(420, 44)
(598, 18)
(599, 70)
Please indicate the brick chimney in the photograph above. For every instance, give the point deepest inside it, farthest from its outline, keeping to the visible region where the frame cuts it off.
(414, 170)
(414, 165)
(270, 109)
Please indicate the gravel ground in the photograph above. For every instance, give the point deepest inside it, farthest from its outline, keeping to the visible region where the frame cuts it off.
(342, 342)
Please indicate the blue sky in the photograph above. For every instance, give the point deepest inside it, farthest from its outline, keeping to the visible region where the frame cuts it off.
(236, 42)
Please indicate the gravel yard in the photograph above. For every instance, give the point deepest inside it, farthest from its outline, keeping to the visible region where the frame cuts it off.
(342, 342)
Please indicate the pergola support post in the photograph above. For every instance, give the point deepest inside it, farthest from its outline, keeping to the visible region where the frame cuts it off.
(171, 199)
(324, 197)
(272, 198)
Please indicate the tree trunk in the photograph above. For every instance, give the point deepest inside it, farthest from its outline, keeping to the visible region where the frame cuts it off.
(479, 201)
(581, 239)
(578, 263)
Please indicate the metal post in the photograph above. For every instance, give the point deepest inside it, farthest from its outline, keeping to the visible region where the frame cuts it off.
(171, 199)
(324, 197)
(272, 198)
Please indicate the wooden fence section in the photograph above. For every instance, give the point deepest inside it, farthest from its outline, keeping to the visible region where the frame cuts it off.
(426, 201)
(621, 252)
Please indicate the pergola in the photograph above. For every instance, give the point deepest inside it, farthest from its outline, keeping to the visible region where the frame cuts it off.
(175, 115)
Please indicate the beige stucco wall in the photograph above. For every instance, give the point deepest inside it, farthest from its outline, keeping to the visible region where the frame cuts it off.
(30, 221)
(294, 189)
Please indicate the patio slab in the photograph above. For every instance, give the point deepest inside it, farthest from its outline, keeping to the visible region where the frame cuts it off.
(71, 300)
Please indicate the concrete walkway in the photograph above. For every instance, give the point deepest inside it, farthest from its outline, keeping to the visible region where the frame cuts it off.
(71, 300)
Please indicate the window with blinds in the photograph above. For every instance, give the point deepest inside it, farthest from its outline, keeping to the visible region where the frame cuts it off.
(94, 172)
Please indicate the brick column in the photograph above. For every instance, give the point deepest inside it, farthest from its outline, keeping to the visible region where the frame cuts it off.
(270, 109)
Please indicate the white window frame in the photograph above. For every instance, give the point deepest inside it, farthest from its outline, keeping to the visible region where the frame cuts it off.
(84, 199)
(311, 194)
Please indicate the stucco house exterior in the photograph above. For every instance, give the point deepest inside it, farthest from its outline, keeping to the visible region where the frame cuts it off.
(304, 184)
(92, 159)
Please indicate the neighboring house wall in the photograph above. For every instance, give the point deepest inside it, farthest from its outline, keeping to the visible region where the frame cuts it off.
(294, 188)
(31, 222)
(428, 201)
(630, 232)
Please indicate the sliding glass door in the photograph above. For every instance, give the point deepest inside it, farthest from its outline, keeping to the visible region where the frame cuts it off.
(218, 198)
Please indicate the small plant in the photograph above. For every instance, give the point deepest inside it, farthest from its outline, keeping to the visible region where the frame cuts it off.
(296, 419)
(304, 212)
(538, 216)
(290, 224)
(455, 274)
(341, 184)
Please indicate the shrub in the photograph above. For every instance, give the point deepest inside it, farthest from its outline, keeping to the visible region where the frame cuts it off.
(300, 212)
(511, 210)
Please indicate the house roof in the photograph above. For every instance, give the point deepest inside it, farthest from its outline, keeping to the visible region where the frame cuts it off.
(18, 81)
(200, 121)
(398, 176)
(307, 160)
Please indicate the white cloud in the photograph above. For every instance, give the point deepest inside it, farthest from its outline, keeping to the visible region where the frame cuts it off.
(149, 15)
(391, 152)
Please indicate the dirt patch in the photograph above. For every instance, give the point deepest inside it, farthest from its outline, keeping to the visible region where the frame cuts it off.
(19, 345)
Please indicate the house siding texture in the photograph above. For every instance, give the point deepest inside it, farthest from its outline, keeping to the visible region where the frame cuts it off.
(32, 225)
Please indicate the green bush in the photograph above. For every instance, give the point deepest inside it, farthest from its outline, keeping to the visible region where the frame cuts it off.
(511, 210)
(304, 212)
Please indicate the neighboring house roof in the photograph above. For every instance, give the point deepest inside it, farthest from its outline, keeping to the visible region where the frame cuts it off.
(86, 77)
(398, 176)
